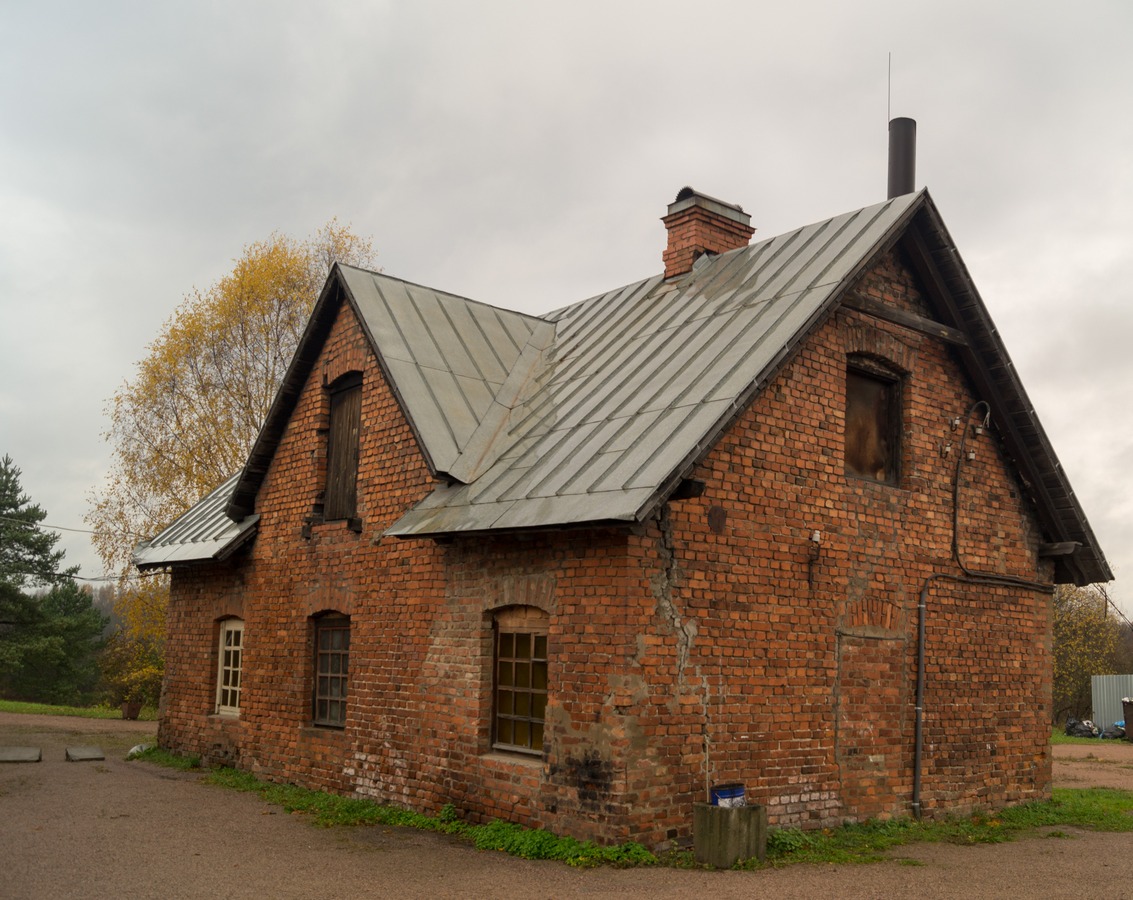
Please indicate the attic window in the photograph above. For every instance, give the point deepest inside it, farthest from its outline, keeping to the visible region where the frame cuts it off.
(873, 423)
(341, 498)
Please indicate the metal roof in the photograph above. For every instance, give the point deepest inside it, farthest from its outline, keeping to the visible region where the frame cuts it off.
(447, 357)
(595, 412)
(204, 532)
(641, 380)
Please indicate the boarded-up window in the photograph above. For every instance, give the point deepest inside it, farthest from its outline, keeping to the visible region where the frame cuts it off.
(341, 497)
(520, 679)
(873, 422)
(332, 669)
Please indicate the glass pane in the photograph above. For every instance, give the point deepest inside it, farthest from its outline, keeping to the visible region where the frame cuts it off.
(321, 710)
(522, 646)
(506, 703)
(539, 706)
(335, 665)
(539, 675)
(540, 646)
(506, 677)
(324, 639)
(336, 640)
(522, 734)
(324, 663)
(503, 731)
(345, 639)
(523, 674)
(334, 710)
(507, 645)
(523, 704)
(537, 737)
(324, 686)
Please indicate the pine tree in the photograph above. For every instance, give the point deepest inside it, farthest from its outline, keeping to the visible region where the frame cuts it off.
(49, 639)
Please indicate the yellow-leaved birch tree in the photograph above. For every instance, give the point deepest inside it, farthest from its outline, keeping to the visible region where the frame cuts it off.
(187, 418)
(1087, 636)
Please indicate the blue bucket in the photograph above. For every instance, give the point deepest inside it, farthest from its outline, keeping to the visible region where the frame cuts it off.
(728, 794)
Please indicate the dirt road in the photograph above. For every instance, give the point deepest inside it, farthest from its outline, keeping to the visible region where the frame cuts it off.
(119, 829)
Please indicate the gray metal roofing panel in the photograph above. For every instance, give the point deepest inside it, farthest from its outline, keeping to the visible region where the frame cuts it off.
(643, 375)
(454, 516)
(447, 356)
(574, 509)
(202, 533)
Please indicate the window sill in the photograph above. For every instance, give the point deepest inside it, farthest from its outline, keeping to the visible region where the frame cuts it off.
(311, 730)
(534, 760)
(853, 480)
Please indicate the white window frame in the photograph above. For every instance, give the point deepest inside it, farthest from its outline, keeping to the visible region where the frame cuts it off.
(230, 667)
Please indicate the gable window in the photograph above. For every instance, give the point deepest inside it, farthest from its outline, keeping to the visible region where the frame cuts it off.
(230, 667)
(340, 501)
(332, 668)
(873, 423)
(520, 692)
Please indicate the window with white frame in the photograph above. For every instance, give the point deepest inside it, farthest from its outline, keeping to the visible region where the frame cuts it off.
(230, 666)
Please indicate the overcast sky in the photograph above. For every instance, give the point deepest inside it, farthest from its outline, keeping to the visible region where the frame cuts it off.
(521, 154)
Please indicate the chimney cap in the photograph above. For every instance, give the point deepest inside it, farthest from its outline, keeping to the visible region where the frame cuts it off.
(688, 197)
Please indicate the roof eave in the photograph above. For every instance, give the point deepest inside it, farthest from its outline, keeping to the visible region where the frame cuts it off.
(1061, 516)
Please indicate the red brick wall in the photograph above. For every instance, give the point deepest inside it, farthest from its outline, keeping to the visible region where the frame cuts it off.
(704, 646)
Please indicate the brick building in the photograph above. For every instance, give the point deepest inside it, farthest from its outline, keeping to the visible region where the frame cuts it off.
(737, 522)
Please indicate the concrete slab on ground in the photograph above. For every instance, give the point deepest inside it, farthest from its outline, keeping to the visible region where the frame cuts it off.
(84, 754)
(20, 754)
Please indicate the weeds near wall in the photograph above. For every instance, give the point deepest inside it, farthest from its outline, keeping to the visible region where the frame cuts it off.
(331, 809)
(1099, 809)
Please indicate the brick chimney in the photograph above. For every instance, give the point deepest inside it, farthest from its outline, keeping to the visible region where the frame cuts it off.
(699, 224)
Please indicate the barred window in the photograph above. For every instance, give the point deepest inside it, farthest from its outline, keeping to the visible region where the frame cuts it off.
(231, 661)
(332, 668)
(520, 662)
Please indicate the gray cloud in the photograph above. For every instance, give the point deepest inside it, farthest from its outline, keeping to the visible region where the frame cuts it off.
(522, 154)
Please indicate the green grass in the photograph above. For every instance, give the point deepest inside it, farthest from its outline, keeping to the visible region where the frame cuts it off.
(149, 714)
(330, 810)
(1099, 809)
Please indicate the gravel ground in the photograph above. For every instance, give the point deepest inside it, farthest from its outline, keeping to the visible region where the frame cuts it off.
(120, 829)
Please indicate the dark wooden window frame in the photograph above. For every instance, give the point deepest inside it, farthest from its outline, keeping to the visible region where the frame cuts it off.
(874, 416)
(331, 670)
(340, 500)
(519, 679)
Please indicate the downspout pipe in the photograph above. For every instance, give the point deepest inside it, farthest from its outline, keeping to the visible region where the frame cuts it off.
(922, 615)
(968, 577)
